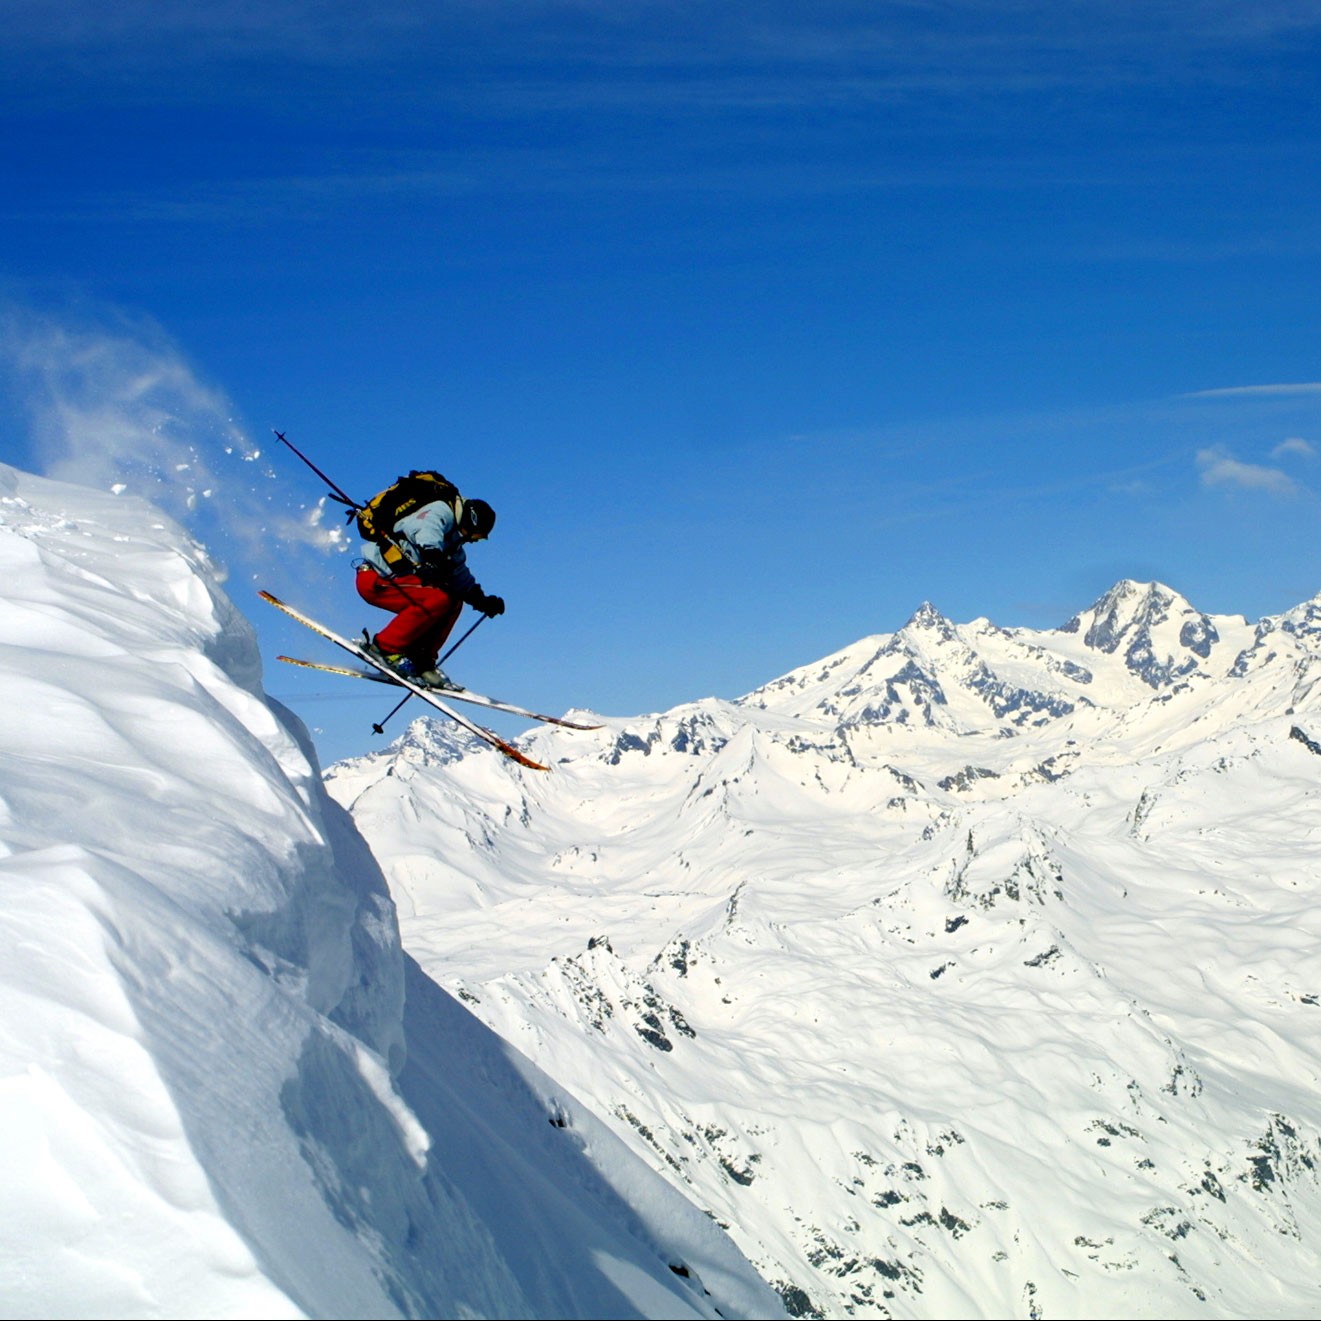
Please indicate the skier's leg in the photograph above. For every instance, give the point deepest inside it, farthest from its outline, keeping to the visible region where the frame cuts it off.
(423, 615)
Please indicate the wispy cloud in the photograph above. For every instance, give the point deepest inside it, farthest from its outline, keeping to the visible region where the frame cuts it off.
(1219, 468)
(119, 407)
(1136, 489)
(1294, 445)
(1296, 388)
(702, 52)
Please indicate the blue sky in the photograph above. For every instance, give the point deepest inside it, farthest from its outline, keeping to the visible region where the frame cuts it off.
(758, 324)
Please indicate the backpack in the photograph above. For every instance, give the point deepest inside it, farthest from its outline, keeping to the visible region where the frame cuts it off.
(377, 518)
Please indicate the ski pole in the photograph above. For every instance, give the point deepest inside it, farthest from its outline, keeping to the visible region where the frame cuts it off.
(334, 489)
(380, 728)
(481, 619)
(336, 493)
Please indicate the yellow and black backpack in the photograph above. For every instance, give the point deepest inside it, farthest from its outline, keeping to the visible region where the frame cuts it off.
(377, 518)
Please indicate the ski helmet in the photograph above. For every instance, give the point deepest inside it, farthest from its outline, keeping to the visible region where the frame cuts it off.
(478, 518)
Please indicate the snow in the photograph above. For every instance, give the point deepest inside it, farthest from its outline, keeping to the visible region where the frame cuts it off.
(225, 1090)
(970, 971)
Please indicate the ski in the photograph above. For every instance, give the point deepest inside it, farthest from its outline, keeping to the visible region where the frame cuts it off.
(450, 694)
(428, 695)
(372, 675)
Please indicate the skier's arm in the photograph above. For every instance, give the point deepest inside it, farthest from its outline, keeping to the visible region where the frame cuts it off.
(434, 533)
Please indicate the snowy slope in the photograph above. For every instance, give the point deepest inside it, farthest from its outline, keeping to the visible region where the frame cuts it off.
(224, 1090)
(968, 972)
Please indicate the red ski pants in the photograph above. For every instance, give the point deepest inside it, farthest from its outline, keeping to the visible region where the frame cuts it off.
(423, 616)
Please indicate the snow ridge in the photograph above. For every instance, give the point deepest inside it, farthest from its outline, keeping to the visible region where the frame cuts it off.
(225, 1090)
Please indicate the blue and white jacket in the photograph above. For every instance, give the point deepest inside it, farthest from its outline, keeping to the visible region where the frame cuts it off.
(433, 527)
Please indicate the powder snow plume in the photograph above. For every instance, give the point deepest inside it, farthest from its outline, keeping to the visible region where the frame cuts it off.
(117, 405)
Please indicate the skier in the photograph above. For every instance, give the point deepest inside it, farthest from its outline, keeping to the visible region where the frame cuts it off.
(418, 570)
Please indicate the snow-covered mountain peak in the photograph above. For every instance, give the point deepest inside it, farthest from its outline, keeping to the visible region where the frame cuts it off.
(933, 675)
(1161, 636)
(927, 619)
(1130, 602)
(1304, 622)
(424, 743)
(1107, 674)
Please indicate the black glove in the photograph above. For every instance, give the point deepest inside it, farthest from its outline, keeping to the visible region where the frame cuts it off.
(434, 566)
(490, 606)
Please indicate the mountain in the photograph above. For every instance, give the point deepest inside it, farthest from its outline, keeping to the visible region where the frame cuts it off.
(970, 971)
(225, 1090)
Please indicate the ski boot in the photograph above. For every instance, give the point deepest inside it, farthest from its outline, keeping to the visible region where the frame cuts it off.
(434, 677)
(402, 665)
